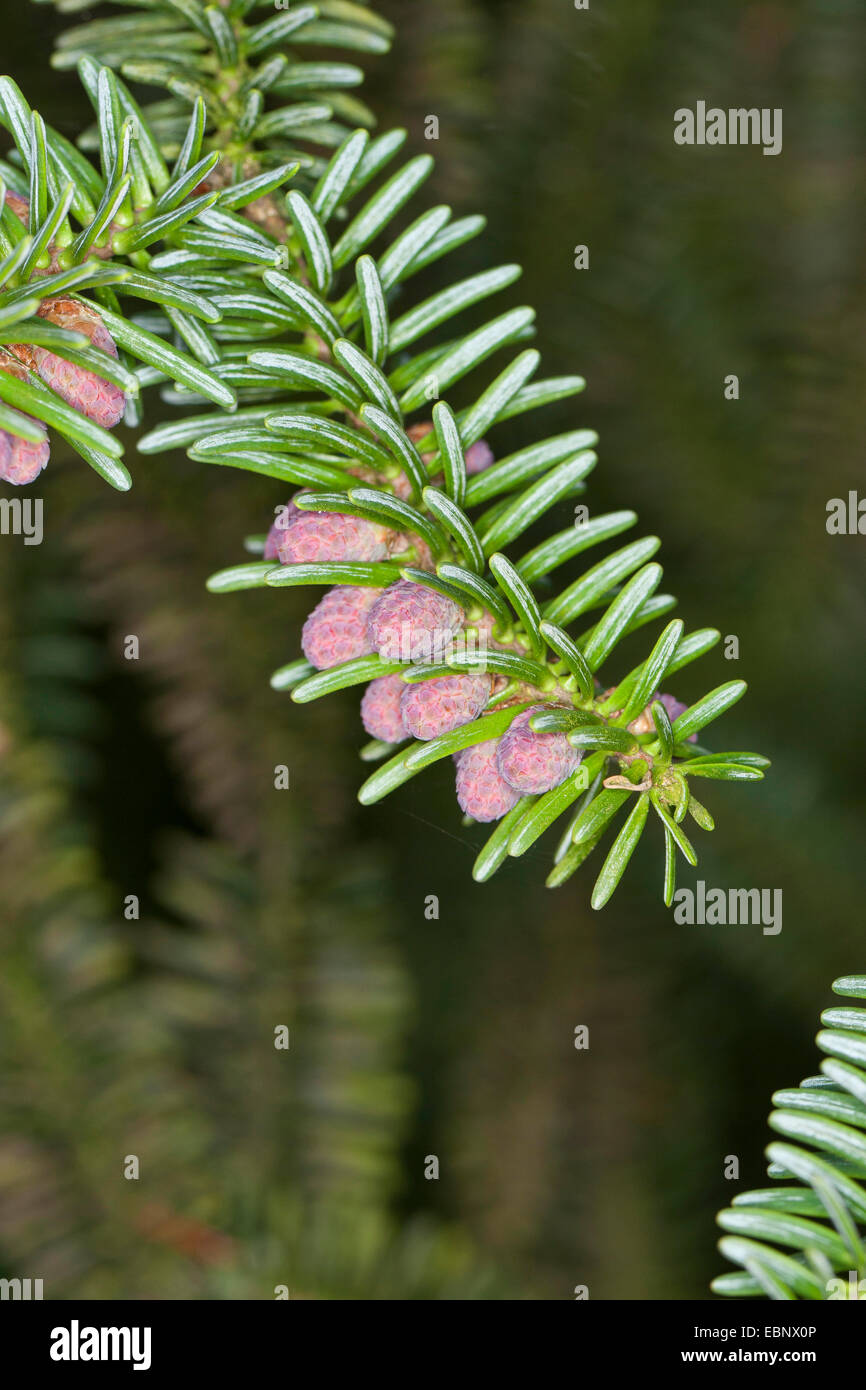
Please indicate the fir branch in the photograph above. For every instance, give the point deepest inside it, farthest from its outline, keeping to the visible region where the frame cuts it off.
(805, 1237)
(331, 385)
(359, 398)
(270, 97)
(72, 250)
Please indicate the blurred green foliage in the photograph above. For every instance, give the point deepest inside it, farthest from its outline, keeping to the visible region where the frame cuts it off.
(452, 1037)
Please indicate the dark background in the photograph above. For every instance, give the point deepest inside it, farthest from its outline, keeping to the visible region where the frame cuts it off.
(258, 908)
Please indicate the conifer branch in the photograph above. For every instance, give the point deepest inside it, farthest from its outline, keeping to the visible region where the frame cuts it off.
(805, 1237)
(402, 511)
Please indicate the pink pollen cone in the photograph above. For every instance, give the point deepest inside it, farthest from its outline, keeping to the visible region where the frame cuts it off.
(336, 630)
(380, 709)
(532, 763)
(482, 792)
(413, 623)
(437, 706)
(319, 536)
